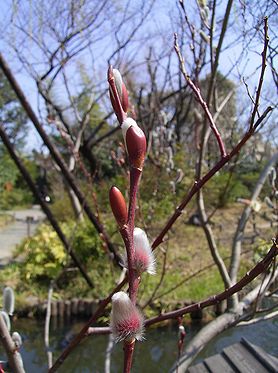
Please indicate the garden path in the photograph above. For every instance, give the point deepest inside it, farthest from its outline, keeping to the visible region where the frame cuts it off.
(24, 224)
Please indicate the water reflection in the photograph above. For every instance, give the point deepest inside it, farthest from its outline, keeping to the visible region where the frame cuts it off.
(155, 355)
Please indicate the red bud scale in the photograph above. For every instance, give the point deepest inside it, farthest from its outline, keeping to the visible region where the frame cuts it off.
(118, 206)
(118, 94)
(136, 146)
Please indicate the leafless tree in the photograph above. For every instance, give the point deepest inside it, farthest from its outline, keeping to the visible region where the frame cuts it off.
(178, 101)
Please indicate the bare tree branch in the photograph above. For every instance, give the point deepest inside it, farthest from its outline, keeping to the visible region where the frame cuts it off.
(43, 204)
(237, 240)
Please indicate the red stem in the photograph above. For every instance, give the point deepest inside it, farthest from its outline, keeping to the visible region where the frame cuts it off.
(158, 241)
(133, 278)
(135, 175)
(128, 353)
(127, 234)
(127, 230)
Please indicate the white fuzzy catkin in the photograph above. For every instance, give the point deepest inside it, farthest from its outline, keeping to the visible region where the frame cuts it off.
(144, 260)
(144, 257)
(126, 321)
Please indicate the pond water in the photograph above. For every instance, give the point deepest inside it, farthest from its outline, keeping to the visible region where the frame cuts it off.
(155, 355)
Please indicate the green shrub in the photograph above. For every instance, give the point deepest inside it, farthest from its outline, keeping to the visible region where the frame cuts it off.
(45, 255)
(9, 199)
(86, 242)
(224, 189)
(61, 207)
(19, 195)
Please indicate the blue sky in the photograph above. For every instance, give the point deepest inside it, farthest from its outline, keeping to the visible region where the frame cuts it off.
(160, 21)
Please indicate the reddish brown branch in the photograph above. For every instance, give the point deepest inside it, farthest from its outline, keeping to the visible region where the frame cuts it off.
(250, 276)
(200, 99)
(157, 241)
(261, 80)
(83, 331)
(56, 156)
(261, 267)
(132, 274)
(195, 188)
(199, 184)
(128, 355)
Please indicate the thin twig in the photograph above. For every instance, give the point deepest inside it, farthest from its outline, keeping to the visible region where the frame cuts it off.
(260, 268)
(83, 332)
(163, 273)
(200, 99)
(261, 80)
(56, 155)
(250, 276)
(259, 319)
(200, 183)
(43, 205)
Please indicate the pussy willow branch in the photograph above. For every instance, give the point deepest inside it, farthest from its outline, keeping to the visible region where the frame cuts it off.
(84, 330)
(196, 186)
(128, 355)
(200, 99)
(194, 189)
(128, 229)
(127, 239)
(135, 174)
(132, 275)
(261, 267)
